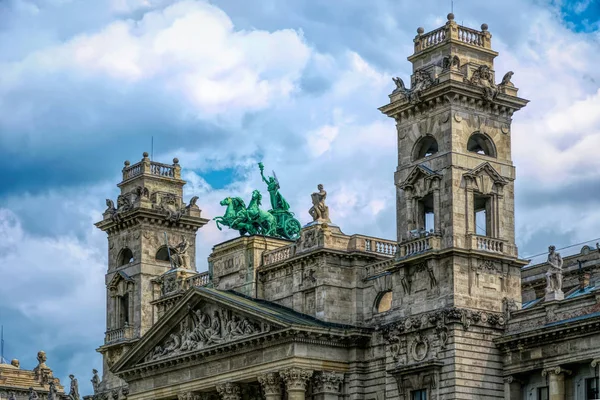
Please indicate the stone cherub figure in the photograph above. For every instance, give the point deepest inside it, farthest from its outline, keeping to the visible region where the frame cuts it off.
(319, 211)
(181, 258)
(74, 392)
(95, 381)
(277, 200)
(554, 273)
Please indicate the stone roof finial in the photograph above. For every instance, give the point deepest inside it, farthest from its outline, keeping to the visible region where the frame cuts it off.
(15, 363)
(420, 30)
(484, 27)
(450, 17)
(145, 154)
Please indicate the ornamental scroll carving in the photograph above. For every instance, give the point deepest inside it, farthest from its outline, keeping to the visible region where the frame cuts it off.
(204, 327)
(483, 78)
(421, 81)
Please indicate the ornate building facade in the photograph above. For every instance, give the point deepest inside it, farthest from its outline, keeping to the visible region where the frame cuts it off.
(444, 311)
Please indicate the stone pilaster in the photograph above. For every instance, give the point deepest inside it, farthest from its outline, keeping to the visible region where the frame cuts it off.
(229, 391)
(295, 380)
(512, 388)
(327, 385)
(271, 385)
(556, 382)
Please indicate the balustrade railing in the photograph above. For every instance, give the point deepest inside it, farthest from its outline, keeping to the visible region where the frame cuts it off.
(421, 244)
(162, 170)
(115, 335)
(470, 36)
(433, 38)
(484, 243)
(278, 255)
(380, 246)
(151, 168)
(202, 279)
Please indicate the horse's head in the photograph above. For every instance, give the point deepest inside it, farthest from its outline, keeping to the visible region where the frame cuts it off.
(226, 201)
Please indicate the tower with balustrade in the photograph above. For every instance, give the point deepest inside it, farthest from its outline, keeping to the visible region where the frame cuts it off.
(457, 265)
(151, 245)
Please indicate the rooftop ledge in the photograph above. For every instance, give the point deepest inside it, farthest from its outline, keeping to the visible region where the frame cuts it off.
(152, 168)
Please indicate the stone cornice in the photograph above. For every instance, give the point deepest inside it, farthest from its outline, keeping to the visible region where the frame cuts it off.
(141, 216)
(548, 334)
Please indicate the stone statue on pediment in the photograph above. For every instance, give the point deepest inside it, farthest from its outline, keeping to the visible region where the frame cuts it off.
(554, 273)
(74, 392)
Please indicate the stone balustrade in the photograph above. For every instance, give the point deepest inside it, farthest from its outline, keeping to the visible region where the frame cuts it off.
(485, 243)
(419, 245)
(202, 279)
(278, 255)
(471, 36)
(452, 31)
(430, 39)
(380, 246)
(147, 167)
(115, 335)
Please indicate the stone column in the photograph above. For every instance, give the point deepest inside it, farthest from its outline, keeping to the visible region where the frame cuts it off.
(295, 382)
(271, 384)
(512, 388)
(229, 391)
(556, 382)
(327, 385)
(437, 211)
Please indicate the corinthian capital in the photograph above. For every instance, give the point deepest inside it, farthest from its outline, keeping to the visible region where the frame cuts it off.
(229, 391)
(295, 378)
(328, 382)
(270, 382)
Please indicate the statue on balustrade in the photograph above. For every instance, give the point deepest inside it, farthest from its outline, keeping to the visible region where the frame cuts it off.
(95, 381)
(319, 211)
(74, 392)
(554, 273)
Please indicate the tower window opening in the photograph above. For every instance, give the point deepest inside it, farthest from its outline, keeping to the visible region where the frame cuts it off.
(425, 147)
(482, 215)
(125, 257)
(163, 254)
(481, 144)
(124, 310)
(426, 218)
(384, 302)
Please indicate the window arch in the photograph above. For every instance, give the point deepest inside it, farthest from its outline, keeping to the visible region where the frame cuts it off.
(481, 143)
(163, 254)
(383, 303)
(125, 257)
(425, 147)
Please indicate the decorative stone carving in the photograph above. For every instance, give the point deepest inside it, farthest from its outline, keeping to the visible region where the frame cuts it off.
(52, 392)
(271, 383)
(319, 211)
(310, 239)
(419, 347)
(180, 258)
(187, 396)
(295, 378)
(483, 78)
(396, 345)
(142, 191)
(509, 306)
(421, 80)
(33, 394)
(110, 207)
(205, 327)
(506, 79)
(15, 363)
(451, 63)
(123, 203)
(554, 275)
(328, 382)
(74, 392)
(95, 381)
(555, 371)
(229, 391)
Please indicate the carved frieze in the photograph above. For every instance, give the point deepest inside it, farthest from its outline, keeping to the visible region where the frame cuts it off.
(204, 327)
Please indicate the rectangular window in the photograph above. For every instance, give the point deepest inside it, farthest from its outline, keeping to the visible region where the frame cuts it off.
(543, 393)
(420, 394)
(483, 214)
(591, 389)
(426, 217)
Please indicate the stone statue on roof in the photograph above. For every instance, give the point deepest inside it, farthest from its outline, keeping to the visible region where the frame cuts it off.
(95, 381)
(554, 273)
(319, 211)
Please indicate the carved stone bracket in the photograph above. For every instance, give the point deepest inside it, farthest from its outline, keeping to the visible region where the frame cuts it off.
(229, 391)
(296, 378)
(328, 382)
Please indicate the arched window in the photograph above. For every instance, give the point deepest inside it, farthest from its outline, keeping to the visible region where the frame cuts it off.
(481, 144)
(425, 147)
(163, 255)
(125, 257)
(383, 302)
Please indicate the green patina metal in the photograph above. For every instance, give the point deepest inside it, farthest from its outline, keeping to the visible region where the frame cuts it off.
(252, 220)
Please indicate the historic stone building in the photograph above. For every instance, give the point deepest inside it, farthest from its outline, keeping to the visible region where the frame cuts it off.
(22, 384)
(444, 311)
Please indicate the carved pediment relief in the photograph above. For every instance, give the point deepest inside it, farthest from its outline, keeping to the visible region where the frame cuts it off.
(421, 180)
(119, 282)
(204, 326)
(485, 179)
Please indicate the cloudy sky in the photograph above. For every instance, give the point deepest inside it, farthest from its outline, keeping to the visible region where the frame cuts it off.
(86, 84)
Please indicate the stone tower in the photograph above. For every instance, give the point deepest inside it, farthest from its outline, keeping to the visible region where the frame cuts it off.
(457, 265)
(150, 212)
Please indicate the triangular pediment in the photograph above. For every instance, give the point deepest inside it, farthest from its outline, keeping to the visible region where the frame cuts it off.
(119, 277)
(418, 177)
(207, 319)
(486, 178)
